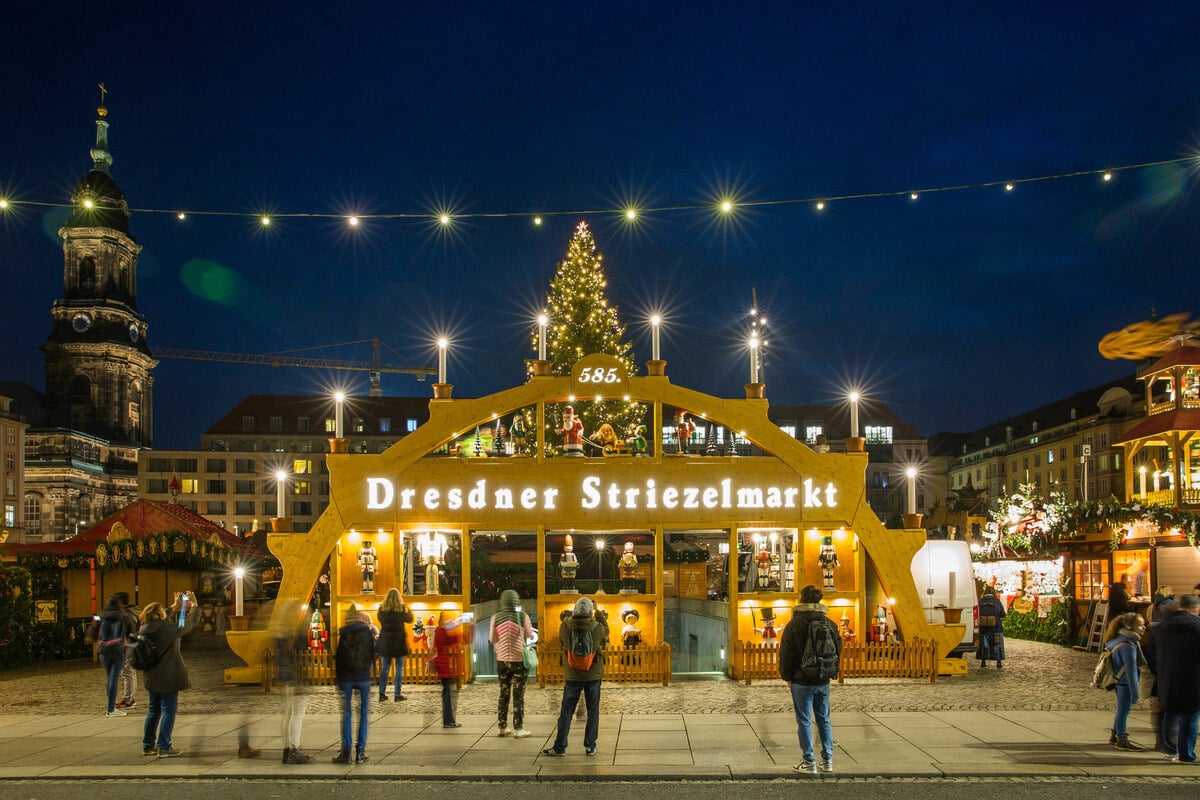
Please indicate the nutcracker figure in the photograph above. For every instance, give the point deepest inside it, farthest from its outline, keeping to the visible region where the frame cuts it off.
(432, 547)
(516, 432)
(638, 443)
(567, 565)
(683, 429)
(572, 431)
(627, 565)
(317, 635)
(828, 560)
(764, 567)
(366, 563)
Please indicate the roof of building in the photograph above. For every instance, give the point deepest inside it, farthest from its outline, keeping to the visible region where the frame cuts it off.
(1182, 356)
(1152, 427)
(145, 518)
(1050, 415)
(291, 408)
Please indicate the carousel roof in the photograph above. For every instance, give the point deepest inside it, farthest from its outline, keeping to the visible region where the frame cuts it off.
(1159, 424)
(144, 519)
(1183, 356)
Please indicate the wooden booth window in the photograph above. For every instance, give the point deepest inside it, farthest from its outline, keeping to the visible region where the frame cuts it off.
(1091, 579)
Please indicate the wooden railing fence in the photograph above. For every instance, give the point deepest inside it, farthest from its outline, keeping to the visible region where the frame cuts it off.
(645, 663)
(912, 659)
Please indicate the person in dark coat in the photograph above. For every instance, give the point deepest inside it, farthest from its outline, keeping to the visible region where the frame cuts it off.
(110, 632)
(1118, 600)
(169, 676)
(393, 642)
(579, 682)
(1177, 659)
(355, 636)
(991, 637)
(810, 697)
(1121, 640)
(1164, 741)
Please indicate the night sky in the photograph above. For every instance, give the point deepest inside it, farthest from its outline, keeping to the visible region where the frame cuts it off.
(956, 309)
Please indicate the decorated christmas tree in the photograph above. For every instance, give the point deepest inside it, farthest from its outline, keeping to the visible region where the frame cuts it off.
(582, 323)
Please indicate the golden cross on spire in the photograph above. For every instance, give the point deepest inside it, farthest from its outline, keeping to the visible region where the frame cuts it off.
(102, 110)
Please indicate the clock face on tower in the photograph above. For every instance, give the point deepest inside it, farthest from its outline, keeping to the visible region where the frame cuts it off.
(133, 333)
(81, 322)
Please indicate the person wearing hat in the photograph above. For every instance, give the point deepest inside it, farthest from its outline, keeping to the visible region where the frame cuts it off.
(510, 631)
(583, 623)
(572, 431)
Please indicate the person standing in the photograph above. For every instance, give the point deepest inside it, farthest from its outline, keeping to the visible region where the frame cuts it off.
(166, 679)
(1124, 633)
(1118, 600)
(446, 638)
(110, 631)
(1164, 741)
(289, 630)
(583, 672)
(809, 685)
(352, 670)
(393, 642)
(1177, 657)
(510, 630)
(127, 687)
(991, 629)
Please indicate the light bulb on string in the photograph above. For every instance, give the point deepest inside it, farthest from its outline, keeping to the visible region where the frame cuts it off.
(726, 206)
(181, 216)
(1108, 176)
(631, 214)
(444, 219)
(820, 205)
(1008, 187)
(265, 221)
(537, 220)
(88, 203)
(3, 203)
(353, 221)
(912, 195)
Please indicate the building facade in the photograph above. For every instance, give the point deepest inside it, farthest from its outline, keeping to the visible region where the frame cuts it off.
(231, 478)
(12, 448)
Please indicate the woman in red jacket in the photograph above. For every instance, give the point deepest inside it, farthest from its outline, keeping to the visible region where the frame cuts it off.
(448, 636)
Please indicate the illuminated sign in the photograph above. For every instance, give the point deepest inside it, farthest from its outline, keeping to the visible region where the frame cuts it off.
(593, 493)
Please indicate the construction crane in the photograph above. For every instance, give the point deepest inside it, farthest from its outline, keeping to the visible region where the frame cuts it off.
(375, 367)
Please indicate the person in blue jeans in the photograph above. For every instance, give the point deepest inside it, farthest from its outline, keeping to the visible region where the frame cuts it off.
(109, 632)
(1177, 665)
(1124, 633)
(581, 682)
(352, 670)
(169, 676)
(393, 642)
(810, 696)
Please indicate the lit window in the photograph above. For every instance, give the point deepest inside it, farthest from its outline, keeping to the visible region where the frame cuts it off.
(302, 466)
(811, 432)
(385, 425)
(1050, 456)
(878, 434)
(189, 486)
(410, 424)
(330, 425)
(790, 430)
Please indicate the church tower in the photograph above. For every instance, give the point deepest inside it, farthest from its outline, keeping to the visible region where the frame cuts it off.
(99, 370)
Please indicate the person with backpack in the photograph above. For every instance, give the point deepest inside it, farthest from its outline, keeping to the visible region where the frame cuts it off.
(110, 631)
(127, 686)
(1125, 656)
(583, 638)
(393, 642)
(157, 654)
(810, 653)
(510, 630)
(991, 629)
(352, 663)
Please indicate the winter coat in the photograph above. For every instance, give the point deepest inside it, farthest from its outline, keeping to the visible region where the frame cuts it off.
(444, 638)
(599, 639)
(170, 673)
(793, 641)
(124, 624)
(393, 636)
(990, 604)
(1126, 658)
(510, 629)
(343, 672)
(1177, 661)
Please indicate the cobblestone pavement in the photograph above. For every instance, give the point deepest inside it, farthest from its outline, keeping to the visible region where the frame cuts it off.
(1036, 677)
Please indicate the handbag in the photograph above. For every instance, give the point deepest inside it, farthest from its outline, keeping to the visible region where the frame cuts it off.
(531, 657)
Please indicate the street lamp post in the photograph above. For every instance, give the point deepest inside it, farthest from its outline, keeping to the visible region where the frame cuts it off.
(600, 555)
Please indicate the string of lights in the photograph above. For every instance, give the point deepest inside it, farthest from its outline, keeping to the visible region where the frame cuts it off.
(722, 205)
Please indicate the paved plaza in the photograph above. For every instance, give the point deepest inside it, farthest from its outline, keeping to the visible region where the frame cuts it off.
(1035, 717)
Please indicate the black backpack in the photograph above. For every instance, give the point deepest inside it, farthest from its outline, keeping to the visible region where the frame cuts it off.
(143, 655)
(583, 649)
(822, 656)
(355, 651)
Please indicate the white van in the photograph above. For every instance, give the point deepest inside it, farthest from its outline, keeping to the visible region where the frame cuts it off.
(945, 578)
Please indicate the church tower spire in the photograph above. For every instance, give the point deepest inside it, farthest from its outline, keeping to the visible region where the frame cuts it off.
(99, 369)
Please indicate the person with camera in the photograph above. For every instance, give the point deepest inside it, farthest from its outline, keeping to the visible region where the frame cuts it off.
(169, 676)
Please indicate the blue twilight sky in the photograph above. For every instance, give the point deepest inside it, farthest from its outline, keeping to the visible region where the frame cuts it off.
(956, 309)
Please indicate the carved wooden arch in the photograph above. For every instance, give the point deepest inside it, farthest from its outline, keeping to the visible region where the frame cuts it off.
(303, 555)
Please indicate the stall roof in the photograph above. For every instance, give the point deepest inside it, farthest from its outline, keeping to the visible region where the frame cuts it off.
(1159, 424)
(143, 519)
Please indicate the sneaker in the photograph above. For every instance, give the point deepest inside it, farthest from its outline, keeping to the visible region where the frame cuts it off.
(400, 698)
(826, 765)
(591, 751)
(504, 732)
(130, 703)
(170, 752)
(343, 757)
(382, 697)
(1178, 760)
(116, 713)
(521, 733)
(550, 751)
(807, 765)
(361, 757)
(246, 751)
(451, 724)
(149, 751)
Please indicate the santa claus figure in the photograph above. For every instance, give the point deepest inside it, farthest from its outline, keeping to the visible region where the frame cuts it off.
(764, 568)
(828, 560)
(572, 432)
(567, 565)
(683, 429)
